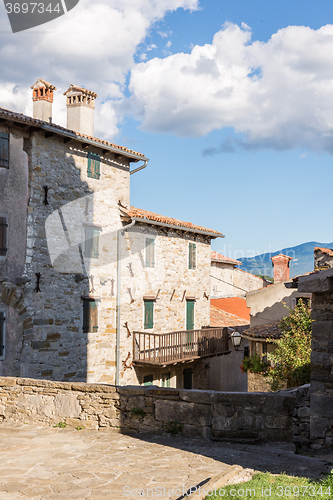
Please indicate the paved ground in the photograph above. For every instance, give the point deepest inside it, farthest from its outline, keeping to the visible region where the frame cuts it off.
(61, 464)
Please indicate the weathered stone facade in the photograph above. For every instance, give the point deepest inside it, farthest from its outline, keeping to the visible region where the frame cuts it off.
(208, 414)
(52, 202)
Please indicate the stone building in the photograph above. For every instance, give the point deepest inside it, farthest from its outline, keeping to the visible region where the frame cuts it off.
(229, 281)
(86, 280)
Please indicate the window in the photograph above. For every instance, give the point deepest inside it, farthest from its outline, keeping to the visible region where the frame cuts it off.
(190, 314)
(148, 380)
(149, 314)
(150, 252)
(94, 162)
(3, 236)
(90, 316)
(192, 250)
(4, 150)
(91, 248)
(166, 379)
(2, 334)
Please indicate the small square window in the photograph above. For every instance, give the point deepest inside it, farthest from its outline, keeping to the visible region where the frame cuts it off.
(2, 334)
(148, 380)
(90, 316)
(94, 163)
(150, 252)
(4, 150)
(3, 236)
(91, 248)
(192, 254)
(149, 314)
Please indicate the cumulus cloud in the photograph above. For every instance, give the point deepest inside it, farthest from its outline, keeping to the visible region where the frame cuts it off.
(277, 94)
(93, 45)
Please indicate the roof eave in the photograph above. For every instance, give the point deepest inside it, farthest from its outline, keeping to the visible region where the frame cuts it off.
(181, 228)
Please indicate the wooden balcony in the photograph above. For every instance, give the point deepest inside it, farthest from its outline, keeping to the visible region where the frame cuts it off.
(169, 348)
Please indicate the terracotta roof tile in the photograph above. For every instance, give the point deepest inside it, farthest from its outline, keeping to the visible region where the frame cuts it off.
(80, 89)
(20, 118)
(328, 251)
(217, 257)
(146, 216)
(271, 331)
(233, 305)
(223, 318)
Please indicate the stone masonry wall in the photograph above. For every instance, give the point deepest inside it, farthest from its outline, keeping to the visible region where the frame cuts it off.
(207, 414)
(257, 383)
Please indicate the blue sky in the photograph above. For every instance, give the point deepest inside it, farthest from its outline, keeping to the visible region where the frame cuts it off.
(232, 101)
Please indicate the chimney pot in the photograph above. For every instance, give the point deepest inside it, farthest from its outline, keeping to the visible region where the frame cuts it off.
(42, 96)
(281, 267)
(80, 110)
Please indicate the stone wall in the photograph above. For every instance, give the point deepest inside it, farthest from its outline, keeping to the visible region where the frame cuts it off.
(257, 383)
(208, 414)
(301, 417)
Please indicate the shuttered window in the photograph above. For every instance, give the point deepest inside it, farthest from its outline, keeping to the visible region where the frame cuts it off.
(148, 380)
(192, 253)
(150, 252)
(149, 313)
(94, 164)
(2, 334)
(91, 248)
(3, 236)
(90, 316)
(4, 150)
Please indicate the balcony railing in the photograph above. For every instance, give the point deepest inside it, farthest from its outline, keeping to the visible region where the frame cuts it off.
(169, 348)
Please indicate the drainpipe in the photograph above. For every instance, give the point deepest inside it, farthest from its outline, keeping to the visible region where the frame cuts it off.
(119, 236)
(140, 168)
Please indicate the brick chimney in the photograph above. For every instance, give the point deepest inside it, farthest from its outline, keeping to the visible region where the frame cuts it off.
(80, 110)
(42, 96)
(281, 267)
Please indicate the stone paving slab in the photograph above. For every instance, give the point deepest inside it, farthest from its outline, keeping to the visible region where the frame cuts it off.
(43, 463)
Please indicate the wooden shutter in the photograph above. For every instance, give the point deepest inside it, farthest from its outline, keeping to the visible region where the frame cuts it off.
(94, 162)
(3, 236)
(189, 314)
(90, 316)
(149, 314)
(2, 333)
(4, 150)
(150, 252)
(192, 255)
(91, 242)
(166, 379)
(148, 380)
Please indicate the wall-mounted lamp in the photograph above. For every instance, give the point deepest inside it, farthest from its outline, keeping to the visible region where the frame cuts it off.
(236, 340)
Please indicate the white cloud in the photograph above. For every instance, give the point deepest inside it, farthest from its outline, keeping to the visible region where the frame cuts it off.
(277, 94)
(93, 45)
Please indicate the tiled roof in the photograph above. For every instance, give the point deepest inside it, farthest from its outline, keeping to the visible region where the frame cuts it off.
(47, 84)
(80, 89)
(219, 318)
(233, 305)
(271, 331)
(146, 216)
(217, 257)
(20, 118)
(328, 251)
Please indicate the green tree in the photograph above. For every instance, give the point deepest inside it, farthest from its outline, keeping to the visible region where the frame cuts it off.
(290, 361)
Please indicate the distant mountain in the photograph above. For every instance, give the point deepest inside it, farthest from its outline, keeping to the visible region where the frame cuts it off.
(303, 261)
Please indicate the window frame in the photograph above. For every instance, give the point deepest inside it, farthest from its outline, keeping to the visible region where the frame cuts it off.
(4, 240)
(151, 263)
(90, 254)
(4, 161)
(192, 255)
(2, 333)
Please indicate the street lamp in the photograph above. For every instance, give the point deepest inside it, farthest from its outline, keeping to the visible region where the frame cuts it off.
(236, 340)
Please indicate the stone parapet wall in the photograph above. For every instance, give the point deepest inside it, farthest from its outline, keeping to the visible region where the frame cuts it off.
(301, 416)
(208, 414)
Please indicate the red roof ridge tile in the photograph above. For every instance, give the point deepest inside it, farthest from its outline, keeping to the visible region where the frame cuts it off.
(215, 256)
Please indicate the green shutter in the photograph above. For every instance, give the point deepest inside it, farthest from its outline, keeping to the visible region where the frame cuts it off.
(149, 313)
(148, 380)
(90, 316)
(189, 314)
(94, 162)
(3, 236)
(192, 255)
(4, 150)
(166, 379)
(91, 242)
(150, 252)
